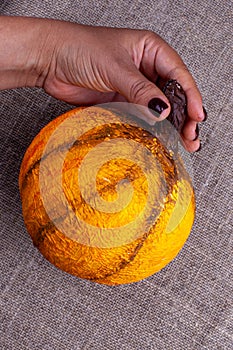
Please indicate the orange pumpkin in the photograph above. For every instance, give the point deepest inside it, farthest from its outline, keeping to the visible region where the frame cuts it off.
(121, 245)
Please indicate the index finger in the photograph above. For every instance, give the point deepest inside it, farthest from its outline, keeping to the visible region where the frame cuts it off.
(169, 65)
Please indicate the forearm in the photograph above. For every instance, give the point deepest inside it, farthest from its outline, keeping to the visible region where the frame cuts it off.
(22, 42)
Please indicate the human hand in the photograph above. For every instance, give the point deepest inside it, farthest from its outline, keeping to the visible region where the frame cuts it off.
(95, 65)
(88, 65)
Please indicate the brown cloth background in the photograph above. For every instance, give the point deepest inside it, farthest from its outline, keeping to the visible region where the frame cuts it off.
(186, 306)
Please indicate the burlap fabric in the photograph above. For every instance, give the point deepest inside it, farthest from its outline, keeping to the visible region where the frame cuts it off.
(186, 306)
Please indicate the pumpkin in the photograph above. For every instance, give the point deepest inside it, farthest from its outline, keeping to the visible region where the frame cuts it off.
(120, 217)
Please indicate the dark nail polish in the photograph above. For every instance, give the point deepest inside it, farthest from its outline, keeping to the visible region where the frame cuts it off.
(199, 148)
(157, 105)
(205, 113)
(197, 133)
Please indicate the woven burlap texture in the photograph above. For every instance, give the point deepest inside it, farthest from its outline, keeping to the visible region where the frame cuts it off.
(187, 305)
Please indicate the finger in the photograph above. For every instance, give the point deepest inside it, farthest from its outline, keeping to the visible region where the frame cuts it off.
(137, 89)
(169, 65)
(194, 99)
(82, 96)
(191, 146)
(190, 130)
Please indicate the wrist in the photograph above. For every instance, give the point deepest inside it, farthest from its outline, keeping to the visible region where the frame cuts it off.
(26, 50)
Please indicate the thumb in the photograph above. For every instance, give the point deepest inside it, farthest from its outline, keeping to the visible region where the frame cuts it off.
(137, 89)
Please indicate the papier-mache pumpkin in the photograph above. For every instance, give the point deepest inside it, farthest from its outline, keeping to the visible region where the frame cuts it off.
(103, 198)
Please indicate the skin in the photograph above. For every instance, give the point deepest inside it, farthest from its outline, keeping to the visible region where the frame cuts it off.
(87, 65)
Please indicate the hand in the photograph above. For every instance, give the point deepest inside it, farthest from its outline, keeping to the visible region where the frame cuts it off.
(88, 65)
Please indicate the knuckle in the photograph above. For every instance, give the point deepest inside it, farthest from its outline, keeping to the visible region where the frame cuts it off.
(151, 36)
(179, 70)
(139, 89)
(147, 32)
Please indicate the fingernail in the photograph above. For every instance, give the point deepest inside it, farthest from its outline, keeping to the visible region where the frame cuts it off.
(157, 105)
(205, 114)
(199, 148)
(197, 133)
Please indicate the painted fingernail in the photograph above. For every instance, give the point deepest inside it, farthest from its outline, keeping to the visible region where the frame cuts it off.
(157, 105)
(199, 148)
(205, 114)
(197, 133)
